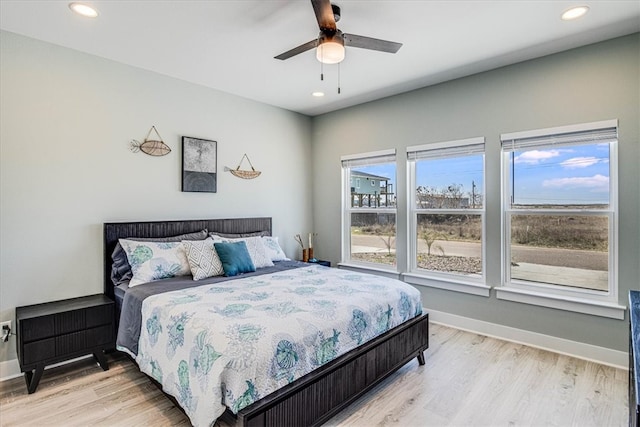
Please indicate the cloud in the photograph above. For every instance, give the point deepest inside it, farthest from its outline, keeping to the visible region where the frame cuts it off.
(580, 162)
(596, 183)
(536, 156)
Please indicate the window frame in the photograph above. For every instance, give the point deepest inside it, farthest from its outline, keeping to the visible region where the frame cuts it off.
(444, 280)
(581, 300)
(386, 156)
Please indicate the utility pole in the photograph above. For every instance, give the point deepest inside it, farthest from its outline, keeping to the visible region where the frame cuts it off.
(473, 194)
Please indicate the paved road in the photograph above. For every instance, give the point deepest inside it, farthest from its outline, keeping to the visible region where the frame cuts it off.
(590, 260)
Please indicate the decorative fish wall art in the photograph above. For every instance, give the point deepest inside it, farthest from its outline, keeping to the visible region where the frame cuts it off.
(151, 147)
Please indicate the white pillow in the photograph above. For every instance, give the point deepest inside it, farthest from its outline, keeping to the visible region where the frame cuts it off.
(151, 261)
(255, 247)
(274, 251)
(203, 259)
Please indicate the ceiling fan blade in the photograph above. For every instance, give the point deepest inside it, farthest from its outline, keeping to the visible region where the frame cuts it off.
(297, 50)
(324, 14)
(371, 43)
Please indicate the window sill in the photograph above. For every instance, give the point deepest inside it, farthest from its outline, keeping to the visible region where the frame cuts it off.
(370, 269)
(463, 286)
(578, 305)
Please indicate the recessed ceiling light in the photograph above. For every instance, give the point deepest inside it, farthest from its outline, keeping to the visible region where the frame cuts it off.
(83, 9)
(574, 13)
(318, 94)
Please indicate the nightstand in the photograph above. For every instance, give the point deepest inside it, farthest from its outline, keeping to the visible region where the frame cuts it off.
(61, 330)
(321, 262)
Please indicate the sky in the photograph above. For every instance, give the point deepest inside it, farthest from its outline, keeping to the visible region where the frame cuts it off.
(464, 171)
(575, 175)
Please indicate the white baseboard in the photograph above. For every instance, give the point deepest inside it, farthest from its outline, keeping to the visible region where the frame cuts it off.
(593, 353)
(10, 369)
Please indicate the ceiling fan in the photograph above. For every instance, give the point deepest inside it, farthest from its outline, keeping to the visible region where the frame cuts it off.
(331, 41)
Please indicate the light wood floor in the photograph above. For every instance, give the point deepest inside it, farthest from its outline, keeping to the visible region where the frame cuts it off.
(469, 380)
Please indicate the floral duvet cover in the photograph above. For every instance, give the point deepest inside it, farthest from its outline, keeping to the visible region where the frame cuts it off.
(230, 344)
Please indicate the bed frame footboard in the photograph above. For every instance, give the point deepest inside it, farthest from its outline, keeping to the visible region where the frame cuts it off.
(316, 397)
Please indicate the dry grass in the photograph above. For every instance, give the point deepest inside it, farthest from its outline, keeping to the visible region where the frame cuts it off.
(550, 231)
(566, 232)
(375, 257)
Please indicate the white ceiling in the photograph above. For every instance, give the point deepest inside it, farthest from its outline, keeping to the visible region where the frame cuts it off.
(230, 45)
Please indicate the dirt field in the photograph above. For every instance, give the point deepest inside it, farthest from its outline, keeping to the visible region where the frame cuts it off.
(589, 233)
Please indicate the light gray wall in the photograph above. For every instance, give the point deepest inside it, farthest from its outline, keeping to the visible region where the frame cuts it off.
(592, 83)
(66, 120)
(65, 168)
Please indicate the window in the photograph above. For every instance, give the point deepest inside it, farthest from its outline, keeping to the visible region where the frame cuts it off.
(447, 209)
(559, 223)
(369, 212)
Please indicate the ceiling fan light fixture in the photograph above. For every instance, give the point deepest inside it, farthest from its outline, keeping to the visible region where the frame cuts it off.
(330, 48)
(330, 52)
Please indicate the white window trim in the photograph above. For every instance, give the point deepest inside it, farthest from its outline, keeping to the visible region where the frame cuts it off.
(586, 301)
(377, 269)
(346, 260)
(448, 281)
(568, 303)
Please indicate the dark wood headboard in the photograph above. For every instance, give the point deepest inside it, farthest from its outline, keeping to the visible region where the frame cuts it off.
(119, 230)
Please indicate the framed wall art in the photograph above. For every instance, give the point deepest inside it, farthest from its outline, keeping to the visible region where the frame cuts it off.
(199, 165)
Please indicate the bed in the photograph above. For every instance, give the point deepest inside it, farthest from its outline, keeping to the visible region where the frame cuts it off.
(311, 398)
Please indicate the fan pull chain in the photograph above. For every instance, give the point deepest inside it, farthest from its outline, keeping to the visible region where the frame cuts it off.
(338, 78)
(321, 62)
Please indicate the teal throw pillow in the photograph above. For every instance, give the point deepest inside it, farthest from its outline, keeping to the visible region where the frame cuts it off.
(235, 258)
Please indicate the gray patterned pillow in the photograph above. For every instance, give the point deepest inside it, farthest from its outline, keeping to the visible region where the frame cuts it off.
(203, 259)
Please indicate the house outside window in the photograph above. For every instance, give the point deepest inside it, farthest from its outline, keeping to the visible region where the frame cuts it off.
(369, 211)
(446, 206)
(560, 218)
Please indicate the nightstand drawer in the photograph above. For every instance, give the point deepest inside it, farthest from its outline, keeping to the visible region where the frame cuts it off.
(71, 343)
(101, 315)
(99, 336)
(71, 321)
(37, 328)
(39, 350)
